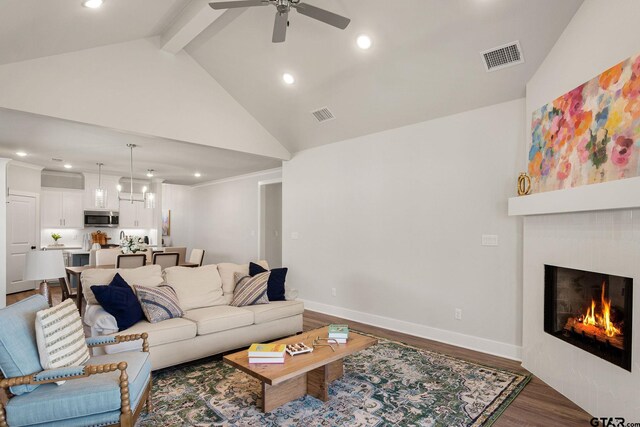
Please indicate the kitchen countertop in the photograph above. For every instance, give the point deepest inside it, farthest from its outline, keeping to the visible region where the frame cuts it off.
(61, 248)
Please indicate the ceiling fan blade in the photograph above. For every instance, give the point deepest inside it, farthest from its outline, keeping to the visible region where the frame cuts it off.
(322, 15)
(234, 4)
(280, 27)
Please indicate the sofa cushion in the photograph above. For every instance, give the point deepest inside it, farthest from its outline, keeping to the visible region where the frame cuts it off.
(149, 275)
(219, 318)
(18, 349)
(60, 336)
(275, 310)
(196, 287)
(164, 332)
(120, 301)
(275, 285)
(227, 271)
(81, 397)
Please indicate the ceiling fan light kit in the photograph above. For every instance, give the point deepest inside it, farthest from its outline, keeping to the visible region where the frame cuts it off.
(283, 7)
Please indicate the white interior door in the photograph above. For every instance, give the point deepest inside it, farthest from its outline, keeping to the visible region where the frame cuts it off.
(21, 235)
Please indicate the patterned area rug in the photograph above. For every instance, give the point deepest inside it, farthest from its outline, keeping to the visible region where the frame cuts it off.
(388, 384)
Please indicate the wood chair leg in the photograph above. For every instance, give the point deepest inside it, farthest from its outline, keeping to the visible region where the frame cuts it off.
(149, 402)
(3, 419)
(126, 419)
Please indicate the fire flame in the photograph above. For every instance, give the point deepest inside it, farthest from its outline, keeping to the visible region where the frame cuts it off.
(602, 319)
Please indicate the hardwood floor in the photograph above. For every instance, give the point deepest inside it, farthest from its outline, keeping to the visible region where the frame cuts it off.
(56, 295)
(537, 405)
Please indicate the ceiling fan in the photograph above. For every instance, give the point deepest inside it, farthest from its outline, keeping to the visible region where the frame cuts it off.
(282, 14)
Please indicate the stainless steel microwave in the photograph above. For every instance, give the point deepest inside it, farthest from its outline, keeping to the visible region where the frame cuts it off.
(101, 219)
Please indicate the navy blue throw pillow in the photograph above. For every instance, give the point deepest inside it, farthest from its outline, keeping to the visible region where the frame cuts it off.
(119, 300)
(275, 285)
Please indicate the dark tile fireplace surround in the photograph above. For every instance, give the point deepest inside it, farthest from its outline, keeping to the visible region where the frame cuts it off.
(591, 311)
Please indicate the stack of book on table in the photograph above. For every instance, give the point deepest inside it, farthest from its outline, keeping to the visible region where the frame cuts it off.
(339, 333)
(267, 353)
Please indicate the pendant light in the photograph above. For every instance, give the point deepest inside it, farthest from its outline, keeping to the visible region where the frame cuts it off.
(100, 198)
(148, 198)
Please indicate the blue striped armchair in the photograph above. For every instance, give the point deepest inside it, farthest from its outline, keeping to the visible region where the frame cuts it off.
(108, 390)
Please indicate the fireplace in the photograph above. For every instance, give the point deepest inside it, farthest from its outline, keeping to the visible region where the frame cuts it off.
(591, 311)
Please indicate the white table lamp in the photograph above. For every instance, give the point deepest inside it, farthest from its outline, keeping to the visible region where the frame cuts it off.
(44, 265)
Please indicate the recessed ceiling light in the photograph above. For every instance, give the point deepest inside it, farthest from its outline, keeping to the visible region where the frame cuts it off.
(21, 154)
(288, 79)
(92, 4)
(67, 166)
(150, 173)
(197, 175)
(363, 42)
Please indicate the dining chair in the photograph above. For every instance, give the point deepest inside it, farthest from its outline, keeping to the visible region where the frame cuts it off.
(107, 256)
(131, 260)
(66, 289)
(179, 249)
(197, 256)
(166, 259)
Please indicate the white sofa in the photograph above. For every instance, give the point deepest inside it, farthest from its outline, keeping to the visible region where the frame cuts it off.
(210, 325)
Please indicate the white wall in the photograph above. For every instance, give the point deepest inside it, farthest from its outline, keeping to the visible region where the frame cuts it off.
(136, 87)
(24, 177)
(605, 241)
(178, 199)
(394, 221)
(3, 232)
(226, 216)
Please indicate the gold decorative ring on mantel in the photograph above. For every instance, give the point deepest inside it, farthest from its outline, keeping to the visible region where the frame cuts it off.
(524, 184)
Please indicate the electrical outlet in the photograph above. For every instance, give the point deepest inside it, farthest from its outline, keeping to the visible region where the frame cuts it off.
(333, 292)
(295, 235)
(458, 314)
(489, 240)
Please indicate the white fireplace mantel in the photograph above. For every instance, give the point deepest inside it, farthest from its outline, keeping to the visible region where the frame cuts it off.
(620, 194)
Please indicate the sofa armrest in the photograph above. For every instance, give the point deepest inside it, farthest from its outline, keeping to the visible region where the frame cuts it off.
(101, 322)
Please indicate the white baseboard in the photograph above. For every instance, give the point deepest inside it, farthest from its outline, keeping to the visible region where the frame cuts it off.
(496, 348)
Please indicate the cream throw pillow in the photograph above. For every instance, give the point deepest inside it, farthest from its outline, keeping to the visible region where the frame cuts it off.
(149, 275)
(196, 287)
(60, 337)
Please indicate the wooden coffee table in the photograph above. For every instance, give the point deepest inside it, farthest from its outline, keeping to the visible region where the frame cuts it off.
(309, 373)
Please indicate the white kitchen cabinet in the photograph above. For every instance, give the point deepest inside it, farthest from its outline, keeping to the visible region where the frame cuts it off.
(62, 209)
(109, 183)
(134, 215)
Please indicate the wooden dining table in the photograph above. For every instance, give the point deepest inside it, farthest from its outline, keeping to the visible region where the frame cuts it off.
(77, 272)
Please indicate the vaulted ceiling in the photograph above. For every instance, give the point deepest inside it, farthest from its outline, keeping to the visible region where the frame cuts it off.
(424, 62)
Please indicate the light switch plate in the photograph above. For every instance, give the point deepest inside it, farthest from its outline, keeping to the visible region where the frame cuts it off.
(489, 240)
(295, 235)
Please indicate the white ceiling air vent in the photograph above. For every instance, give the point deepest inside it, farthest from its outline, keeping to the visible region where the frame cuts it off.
(323, 114)
(503, 56)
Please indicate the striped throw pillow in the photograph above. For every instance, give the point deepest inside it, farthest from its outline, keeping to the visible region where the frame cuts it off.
(250, 290)
(60, 336)
(158, 303)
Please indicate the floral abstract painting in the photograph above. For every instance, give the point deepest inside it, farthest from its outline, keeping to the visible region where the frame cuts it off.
(589, 135)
